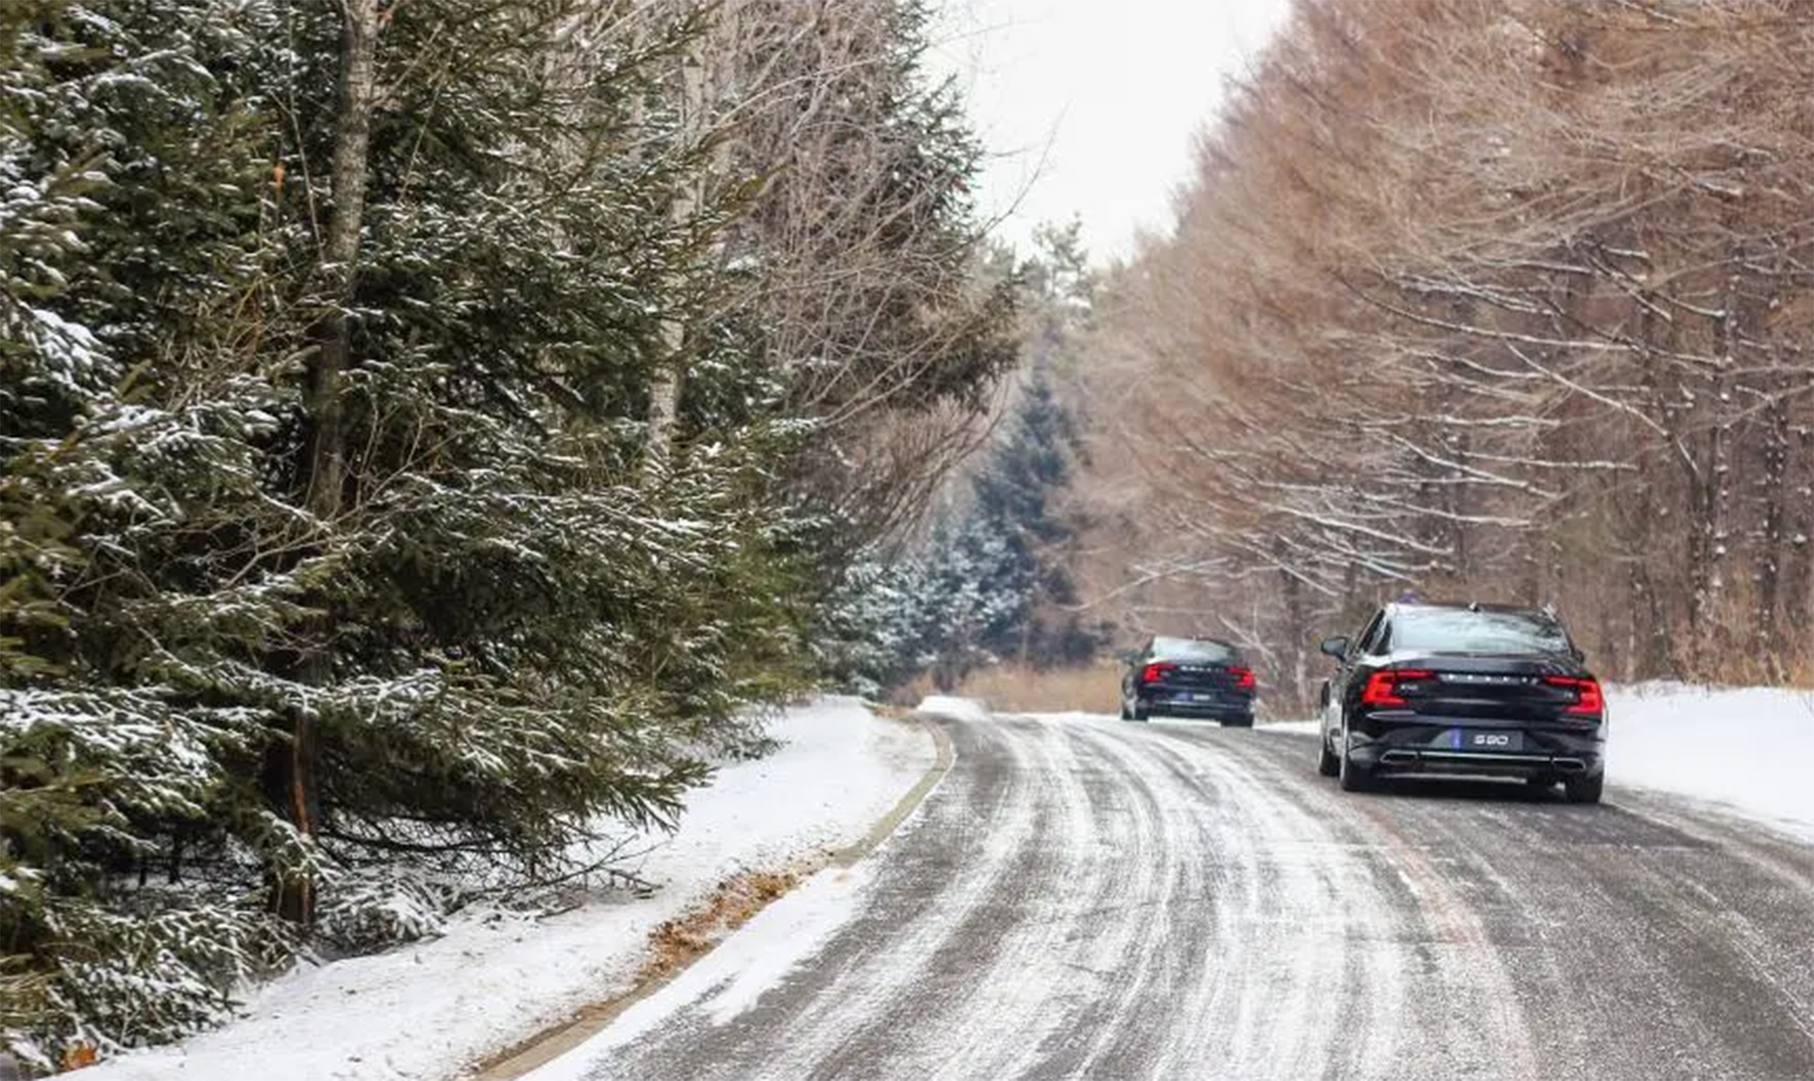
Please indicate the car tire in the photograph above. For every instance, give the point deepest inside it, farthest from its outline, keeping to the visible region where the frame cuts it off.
(1351, 776)
(1237, 722)
(1584, 789)
(1141, 713)
(1126, 713)
(1327, 763)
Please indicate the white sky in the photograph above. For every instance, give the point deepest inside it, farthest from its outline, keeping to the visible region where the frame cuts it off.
(1089, 107)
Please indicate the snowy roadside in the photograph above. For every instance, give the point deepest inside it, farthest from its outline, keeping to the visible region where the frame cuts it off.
(1745, 749)
(424, 1010)
(963, 709)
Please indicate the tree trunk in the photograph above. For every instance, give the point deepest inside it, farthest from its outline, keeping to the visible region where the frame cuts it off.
(1298, 623)
(290, 765)
(665, 385)
(1709, 531)
(340, 252)
(1766, 644)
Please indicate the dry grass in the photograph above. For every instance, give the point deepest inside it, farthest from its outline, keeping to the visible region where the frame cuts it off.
(672, 947)
(1012, 688)
(680, 941)
(1798, 671)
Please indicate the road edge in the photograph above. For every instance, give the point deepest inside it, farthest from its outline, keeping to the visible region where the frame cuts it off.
(534, 1052)
(943, 755)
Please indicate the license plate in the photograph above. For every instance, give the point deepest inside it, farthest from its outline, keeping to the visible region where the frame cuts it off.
(1475, 739)
(1203, 698)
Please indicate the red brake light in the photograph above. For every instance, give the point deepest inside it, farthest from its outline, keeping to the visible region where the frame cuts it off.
(1382, 686)
(1243, 678)
(1156, 672)
(1588, 700)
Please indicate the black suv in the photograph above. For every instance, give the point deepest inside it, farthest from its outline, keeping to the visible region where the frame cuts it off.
(1187, 677)
(1464, 689)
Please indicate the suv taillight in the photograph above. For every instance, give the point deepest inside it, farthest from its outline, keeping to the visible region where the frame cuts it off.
(1382, 686)
(1156, 672)
(1588, 700)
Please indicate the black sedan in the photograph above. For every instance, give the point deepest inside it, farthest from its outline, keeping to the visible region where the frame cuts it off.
(1187, 677)
(1476, 689)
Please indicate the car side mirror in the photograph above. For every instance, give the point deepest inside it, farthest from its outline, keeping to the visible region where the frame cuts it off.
(1336, 647)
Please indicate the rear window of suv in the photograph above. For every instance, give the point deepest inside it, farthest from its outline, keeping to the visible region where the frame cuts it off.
(1194, 649)
(1462, 630)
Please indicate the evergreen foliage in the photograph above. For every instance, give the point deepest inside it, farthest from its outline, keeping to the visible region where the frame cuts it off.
(991, 582)
(241, 714)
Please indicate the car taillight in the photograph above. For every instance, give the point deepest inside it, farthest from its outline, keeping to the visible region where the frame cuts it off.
(1156, 672)
(1588, 700)
(1382, 686)
(1243, 678)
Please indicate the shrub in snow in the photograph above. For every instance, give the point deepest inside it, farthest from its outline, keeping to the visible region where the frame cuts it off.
(375, 907)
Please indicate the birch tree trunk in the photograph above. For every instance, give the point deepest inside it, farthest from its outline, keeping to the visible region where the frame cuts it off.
(665, 385)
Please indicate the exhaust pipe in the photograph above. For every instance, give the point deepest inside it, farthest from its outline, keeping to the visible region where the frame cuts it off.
(1571, 765)
(1395, 757)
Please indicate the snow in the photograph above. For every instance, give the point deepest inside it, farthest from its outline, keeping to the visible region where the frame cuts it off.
(963, 709)
(1745, 749)
(495, 977)
(1303, 728)
(730, 979)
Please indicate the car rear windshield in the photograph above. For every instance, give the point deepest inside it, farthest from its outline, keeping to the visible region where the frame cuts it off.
(1461, 630)
(1194, 649)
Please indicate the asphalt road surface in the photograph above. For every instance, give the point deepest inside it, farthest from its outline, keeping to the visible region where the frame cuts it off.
(1098, 899)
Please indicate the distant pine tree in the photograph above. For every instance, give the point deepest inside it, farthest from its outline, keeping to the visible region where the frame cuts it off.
(990, 582)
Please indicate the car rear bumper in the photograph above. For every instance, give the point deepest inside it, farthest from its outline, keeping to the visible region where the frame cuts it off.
(1544, 751)
(1224, 708)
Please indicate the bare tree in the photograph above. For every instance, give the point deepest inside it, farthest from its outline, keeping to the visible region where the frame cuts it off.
(1496, 298)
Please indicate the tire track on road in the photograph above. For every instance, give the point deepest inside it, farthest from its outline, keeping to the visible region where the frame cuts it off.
(1083, 898)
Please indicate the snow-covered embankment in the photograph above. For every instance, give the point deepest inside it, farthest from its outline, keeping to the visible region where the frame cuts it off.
(1746, 749)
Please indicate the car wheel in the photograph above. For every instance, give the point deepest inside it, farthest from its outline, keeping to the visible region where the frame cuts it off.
(1327, 763)
(1584, 789)
(1141, 713)
(1352, 776)
(1237, 722)
(1126, 713)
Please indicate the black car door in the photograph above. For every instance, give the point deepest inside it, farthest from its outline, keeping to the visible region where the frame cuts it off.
(1361, 645)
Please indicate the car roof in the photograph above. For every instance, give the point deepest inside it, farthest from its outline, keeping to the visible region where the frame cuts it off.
(1191, 638)
(1471, 606)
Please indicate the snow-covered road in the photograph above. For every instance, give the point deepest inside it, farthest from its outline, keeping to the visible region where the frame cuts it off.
(1083, 898)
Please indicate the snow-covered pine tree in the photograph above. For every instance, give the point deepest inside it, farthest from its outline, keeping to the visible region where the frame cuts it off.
(513, 633)
(330, 557)
(112, 477)
(494, 634)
